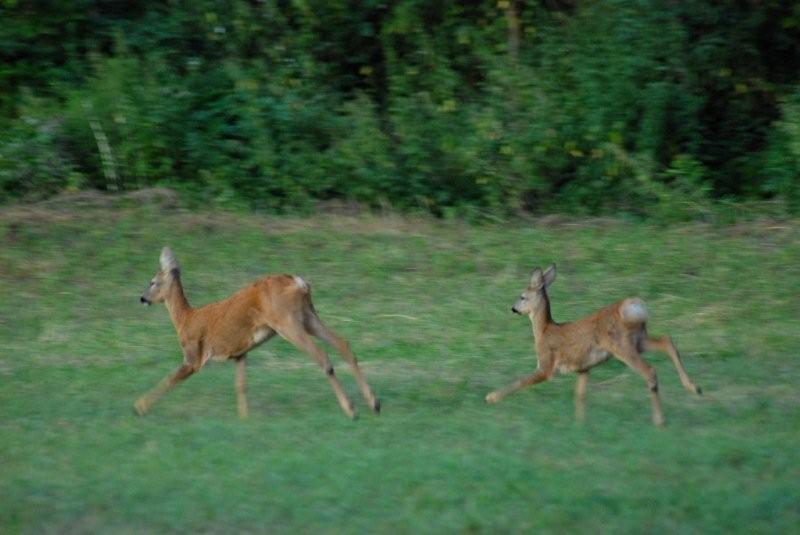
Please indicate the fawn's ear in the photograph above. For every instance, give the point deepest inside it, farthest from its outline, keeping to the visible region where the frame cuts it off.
(549, 275)
(168, 260)
(537, 279)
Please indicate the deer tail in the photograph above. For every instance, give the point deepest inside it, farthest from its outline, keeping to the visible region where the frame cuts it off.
(633, 311)
(302, 284)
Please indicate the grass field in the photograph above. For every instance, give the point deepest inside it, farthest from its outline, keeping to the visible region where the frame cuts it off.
(425, 305)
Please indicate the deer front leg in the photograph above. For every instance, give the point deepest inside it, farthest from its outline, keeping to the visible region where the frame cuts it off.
(536, 377)
(144, 403)
(241, 386)
(580, 393)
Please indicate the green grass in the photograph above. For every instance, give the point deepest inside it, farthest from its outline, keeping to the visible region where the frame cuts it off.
(425, 306)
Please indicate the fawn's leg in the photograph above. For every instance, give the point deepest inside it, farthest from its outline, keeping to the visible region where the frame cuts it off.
(241, 386)
(144, 403)
(632, 358)
(580, 393)
(540, 375)
(665, 345)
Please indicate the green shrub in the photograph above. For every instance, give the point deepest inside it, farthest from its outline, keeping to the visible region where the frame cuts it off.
(651, 108)
(32, 161)
(781, 172)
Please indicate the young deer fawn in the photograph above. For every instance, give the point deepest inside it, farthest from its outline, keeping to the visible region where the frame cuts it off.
(618, 330)
(228, 329)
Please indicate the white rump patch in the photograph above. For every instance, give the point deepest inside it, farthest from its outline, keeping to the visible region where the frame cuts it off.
(634, 311)
(303, 285)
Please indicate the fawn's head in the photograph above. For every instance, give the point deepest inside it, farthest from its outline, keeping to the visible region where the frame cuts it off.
(159, 287)
(534, 295)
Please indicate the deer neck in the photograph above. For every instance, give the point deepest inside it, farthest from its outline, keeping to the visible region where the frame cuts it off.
(540, 317)
(177, 305)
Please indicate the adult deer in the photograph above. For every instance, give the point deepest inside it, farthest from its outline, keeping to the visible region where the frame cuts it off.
(228, 329)
(618, 329)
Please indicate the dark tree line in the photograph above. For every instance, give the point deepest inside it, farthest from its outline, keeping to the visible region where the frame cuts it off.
(466, 106)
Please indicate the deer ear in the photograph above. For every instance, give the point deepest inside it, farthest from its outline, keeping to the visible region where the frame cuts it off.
(549, 275)
(536, 278)
(168, 260)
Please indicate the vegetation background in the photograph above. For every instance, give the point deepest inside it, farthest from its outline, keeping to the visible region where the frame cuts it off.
(469, 108)
(425, 304)
(650, 148)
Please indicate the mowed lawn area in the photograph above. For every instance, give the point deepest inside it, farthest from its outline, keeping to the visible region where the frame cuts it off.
(426, 307)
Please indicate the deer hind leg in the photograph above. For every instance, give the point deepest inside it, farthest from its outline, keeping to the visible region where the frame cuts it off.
(241, 386)
(323, 332)
(144, 403)
(665, 345)
(580, 394)
(632, 358)
(540, 375)
(297, 335)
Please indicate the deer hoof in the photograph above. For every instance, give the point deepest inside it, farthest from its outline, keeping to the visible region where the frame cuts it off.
(376, 406)
(140, 407)
(492, 398)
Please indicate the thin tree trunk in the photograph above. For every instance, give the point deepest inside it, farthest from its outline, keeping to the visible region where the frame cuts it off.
(512, 18)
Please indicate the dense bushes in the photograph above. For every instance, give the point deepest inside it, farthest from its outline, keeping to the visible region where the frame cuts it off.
(454, 107)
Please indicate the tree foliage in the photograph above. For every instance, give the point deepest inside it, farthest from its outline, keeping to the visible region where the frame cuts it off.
(503, 106)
